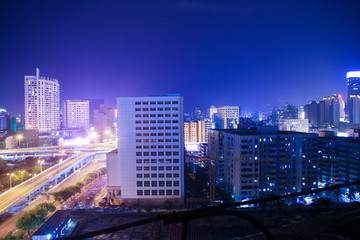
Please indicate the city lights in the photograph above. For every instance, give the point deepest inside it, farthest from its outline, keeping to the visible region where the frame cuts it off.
(10, 176)
(41, 163)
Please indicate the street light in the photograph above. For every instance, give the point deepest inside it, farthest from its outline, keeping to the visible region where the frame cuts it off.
(107, 133)
(10, 175)
(78, 171)
(60, 161)
(93, 136)
(41, 163)
(22, 172)
(19, 137)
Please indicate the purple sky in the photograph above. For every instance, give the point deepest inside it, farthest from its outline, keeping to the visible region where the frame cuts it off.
(250, 53)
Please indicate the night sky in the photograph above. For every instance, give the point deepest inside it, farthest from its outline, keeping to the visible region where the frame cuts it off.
(250, 53)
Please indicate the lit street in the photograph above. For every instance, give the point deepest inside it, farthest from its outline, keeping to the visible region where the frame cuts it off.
(10, 224)
(19, 192)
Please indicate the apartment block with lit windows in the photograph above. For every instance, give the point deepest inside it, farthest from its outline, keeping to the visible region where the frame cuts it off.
(42, 102)
(196, 132)
(264, 161)
(148, 165)
(76, 114)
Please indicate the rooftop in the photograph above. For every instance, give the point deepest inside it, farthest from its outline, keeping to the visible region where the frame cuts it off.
(54, 221)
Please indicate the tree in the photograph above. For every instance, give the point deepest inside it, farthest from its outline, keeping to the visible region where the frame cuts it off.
(4, 168)
(80, 184)
(351, 193)
(323, 201)
(34, 217)
(66, 193)
(57, 197)
(10, 236)
(337, 193)
(26, 222)
(48, 206)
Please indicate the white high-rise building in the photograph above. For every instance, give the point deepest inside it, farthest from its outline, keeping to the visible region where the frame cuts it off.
(229, 117)
(148, 166)
(42, 102)
(76, 114)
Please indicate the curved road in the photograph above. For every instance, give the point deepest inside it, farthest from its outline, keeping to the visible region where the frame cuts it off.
(20, 191)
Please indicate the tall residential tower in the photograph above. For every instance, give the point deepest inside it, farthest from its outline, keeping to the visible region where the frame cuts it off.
(76, 114)
(42, 102)
(353, 98)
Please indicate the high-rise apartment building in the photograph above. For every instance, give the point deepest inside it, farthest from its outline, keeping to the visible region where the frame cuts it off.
(212, 110)
(196, 132)
(264, 161)
(311, 113)
(328, 112)
(228, 116)
(353, 96)
(148, 166)
(324, 112)
(76, 114)
(3, 119)
(287, 111)
(95, 105)
(337, 110)
(339, 160)
(42, 102)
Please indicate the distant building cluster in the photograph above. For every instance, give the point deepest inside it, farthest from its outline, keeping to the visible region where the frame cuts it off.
(46, 122)
(288, 150)
(329, 112)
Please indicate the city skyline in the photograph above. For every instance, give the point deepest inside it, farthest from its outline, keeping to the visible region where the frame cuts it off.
(210, 53)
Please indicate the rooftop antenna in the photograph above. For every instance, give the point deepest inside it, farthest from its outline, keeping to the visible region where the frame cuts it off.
(37, 73)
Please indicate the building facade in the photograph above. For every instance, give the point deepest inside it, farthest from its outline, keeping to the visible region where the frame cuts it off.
(329, 111)
(42, 103)
(3, 119)
(228, 117)
(148, 166)
(339, 160)
(196, 132)
(287, 111)
(294, 125)
(76, 114)
(264, 161)
(353, 96)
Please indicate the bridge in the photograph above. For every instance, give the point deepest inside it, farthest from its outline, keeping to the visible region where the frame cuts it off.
(41, 183)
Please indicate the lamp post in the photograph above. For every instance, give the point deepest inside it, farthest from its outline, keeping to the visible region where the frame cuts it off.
(41, 163)
(60, 161)
(107, 133)
(62, 155)
(92, 137)
(22, 173)
(10, 175)
(19, 137)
